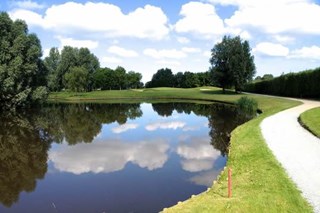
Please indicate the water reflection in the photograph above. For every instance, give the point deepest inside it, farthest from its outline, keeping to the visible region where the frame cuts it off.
(76, 123)
(197, 154)
(23, 157)
(178, 150)
(109, 156)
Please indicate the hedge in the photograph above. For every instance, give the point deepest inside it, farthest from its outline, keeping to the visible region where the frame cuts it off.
(305, 84)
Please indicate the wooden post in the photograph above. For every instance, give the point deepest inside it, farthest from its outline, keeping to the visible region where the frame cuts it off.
(229, 183)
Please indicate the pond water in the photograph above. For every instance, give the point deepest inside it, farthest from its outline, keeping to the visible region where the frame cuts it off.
(111, 157)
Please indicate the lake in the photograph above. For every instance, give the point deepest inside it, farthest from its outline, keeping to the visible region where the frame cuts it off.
(111, 157)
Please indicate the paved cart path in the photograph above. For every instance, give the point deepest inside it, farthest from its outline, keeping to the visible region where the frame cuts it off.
(296, 149)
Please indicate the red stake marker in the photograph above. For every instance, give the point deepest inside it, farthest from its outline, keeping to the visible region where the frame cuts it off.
(229, 183)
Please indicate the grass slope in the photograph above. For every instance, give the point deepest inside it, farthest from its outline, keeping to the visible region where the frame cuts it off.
(260, 184)
(311, 120)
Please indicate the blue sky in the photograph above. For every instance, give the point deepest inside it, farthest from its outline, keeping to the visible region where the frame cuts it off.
(145, 36)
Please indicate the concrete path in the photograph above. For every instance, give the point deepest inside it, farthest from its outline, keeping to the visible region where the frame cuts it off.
(296, 149)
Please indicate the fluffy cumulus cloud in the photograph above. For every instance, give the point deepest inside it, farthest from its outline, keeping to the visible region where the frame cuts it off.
(77, 17)
(164, 53)
(119, 51)
(271, 49)
(90, 44)
(200, 19)
(274, 16)
(109, 156)
(312, 52)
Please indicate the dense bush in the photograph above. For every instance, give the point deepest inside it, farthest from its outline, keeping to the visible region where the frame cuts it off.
(247, 106)
(304, 84)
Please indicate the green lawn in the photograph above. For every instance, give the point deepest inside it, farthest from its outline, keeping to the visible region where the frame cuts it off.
(311, 120)
(260, 184)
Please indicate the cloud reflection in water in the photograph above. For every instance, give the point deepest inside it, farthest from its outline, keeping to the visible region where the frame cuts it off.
(109, 156)
(198, 155)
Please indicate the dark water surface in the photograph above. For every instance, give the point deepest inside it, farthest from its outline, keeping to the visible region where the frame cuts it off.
(111, 157)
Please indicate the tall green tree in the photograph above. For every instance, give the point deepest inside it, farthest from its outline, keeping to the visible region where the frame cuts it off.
(22, 73)
(60, 64)
(90, 62)
(52, 62)
(232, 63)
(76, 79)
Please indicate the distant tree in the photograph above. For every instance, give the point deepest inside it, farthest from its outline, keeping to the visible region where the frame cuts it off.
(205, 78)
(232, 63)
(258, 78)
(133, 79)
(178, 79)
(162, 78)
(22, 73)
(190, 80)
(104, 78)
(76, 79)
(120, 77)
(266, 77)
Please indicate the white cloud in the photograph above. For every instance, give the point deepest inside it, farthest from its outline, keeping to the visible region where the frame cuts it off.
(312, 52)
(271, 49)
(109, 156)
(166, 53)
(122, 52)
(200, 19)
(103, 18)
(124, 128)
(78, 43)
(275, 16)
(32, 18)
(27, 4)
(165, 125)
(191, 50)
(111, 60)
(283, 39)
(183, 40)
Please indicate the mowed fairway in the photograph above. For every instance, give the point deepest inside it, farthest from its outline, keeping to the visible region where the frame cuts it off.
(260, 184)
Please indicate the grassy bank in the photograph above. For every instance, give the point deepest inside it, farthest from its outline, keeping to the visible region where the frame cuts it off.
(260, 183)
(310, 120)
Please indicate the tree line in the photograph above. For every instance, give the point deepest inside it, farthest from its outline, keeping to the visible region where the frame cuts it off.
(165, 78)
(78, 70)
(25, 78)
